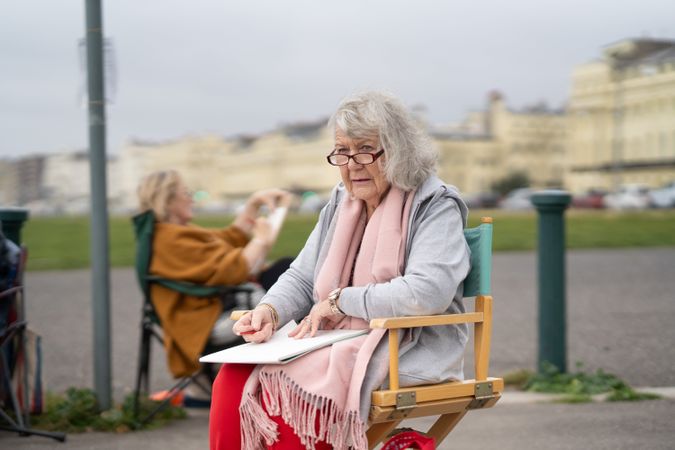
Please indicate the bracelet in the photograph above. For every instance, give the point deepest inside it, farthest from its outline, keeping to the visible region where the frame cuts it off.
(333, 298)
(275, 315)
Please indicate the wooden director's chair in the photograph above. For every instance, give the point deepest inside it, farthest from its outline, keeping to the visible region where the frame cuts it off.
(450, 400)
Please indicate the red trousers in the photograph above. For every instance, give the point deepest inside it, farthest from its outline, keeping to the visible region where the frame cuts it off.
(224, 424)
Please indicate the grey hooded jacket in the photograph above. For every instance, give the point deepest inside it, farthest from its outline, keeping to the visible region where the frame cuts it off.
(436, 261)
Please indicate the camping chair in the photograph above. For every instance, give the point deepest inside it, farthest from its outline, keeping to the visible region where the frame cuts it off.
(450, 400)
(13, 343)
(144, 225)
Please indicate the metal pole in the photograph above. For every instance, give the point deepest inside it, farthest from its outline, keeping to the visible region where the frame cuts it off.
(99, 211)
(551, 206)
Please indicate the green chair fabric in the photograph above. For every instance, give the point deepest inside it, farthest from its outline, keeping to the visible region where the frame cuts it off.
(144, 225)
(480, 243)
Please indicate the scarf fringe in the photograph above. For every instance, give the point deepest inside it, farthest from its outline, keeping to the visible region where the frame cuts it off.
(256, 426)
(299, 409)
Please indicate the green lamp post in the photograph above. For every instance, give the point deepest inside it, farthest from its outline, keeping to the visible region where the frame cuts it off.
(551, 205)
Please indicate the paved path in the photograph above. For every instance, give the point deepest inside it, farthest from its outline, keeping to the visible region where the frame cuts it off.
(621, 426)
(621, 307)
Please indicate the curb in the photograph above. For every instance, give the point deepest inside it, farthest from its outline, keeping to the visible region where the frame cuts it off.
(522, 397)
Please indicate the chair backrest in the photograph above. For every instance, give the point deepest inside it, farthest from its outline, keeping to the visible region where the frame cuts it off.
(144, 229)
(478, 282)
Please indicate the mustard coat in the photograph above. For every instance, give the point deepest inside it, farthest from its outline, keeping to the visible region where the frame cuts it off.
(202, 256)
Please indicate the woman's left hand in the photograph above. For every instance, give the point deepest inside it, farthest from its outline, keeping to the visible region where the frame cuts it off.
(320, 313)
(272, 198)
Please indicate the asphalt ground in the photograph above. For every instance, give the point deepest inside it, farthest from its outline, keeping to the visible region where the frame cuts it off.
(647, 425)
(620, 311)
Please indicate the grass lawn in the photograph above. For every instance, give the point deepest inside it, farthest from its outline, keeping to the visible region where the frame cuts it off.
(63, 242)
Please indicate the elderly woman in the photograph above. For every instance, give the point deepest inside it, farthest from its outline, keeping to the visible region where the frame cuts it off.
(186, 252)
(389, 243)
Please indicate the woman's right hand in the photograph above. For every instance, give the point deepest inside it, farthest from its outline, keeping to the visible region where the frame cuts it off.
(255, 326)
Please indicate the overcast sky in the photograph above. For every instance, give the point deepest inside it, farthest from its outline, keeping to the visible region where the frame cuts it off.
(246, 66)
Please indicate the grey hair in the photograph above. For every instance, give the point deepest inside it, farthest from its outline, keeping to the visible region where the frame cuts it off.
(410, 157)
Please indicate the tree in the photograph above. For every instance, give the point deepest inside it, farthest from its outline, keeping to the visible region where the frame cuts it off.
(512, 181)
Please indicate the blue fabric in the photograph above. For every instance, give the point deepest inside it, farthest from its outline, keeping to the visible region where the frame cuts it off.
(9, 264)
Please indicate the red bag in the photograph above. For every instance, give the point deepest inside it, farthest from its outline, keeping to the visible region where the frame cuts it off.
(410, 439)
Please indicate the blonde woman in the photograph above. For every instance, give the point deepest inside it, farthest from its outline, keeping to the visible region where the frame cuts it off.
(186, 252)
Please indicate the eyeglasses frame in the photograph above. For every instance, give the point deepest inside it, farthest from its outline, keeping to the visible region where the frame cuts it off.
(375, 157)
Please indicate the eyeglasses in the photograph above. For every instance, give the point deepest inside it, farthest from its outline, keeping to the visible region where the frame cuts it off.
(341, 159)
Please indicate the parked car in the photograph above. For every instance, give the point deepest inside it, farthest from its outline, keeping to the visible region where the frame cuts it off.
(518, 199)
(482, 200)
(663, 197)
(593, 198)
(628, 196)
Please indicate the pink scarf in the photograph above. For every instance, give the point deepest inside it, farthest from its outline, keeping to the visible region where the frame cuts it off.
(323, 388)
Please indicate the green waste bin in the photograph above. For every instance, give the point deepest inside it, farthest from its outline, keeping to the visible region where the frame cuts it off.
(12, 220)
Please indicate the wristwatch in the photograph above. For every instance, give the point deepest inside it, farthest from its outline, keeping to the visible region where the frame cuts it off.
(333, 297)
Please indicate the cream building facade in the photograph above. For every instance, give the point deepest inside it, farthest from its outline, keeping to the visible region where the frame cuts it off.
(8, 183)
(292, 157)
(487, 146)
(55, 183)
(228, 170)
(498, 142)
(622, 117)
(618, 128)
(195, 157)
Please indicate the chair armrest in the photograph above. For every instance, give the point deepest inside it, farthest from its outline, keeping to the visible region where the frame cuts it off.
(197, 290)
(393, 324)
(235, 289)
(425, 321)
(10, 291)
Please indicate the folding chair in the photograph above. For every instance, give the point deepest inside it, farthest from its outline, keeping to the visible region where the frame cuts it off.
(144, 225)
(12, 338)
(450, 400)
